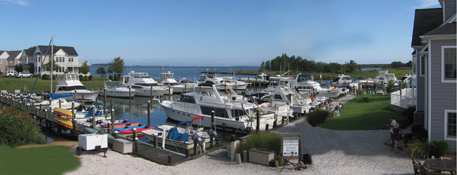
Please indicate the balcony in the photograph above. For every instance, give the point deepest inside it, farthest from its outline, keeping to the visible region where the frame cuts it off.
(74, 64)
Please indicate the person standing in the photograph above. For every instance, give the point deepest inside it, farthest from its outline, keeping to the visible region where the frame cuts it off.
(393, 122)
(396, 131)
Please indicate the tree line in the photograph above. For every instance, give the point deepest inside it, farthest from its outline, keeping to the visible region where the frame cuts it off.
(284, 63)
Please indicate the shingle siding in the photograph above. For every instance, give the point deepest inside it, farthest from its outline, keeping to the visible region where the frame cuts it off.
(449, 6)
(420, 86)
(443, 95)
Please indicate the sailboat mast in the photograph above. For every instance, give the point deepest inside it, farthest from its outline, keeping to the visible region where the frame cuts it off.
(52, 58)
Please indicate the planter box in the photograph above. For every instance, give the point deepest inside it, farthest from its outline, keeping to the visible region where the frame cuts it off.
(123, 146)
(261, 156)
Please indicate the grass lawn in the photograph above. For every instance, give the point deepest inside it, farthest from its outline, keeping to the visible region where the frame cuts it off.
(10, 84)
(363, 116)
(37, 160)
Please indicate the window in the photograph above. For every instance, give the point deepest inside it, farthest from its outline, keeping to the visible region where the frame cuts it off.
(449, 63)
(70, 59)
(422, 71)
(450, 124)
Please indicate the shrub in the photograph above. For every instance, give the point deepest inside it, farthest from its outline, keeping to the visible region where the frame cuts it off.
(409, 113)
(317, 117)
(45, 77)
(361, 92)
(267, 140)
(17, 128)
(438, 148)
(86, 78)
(90, 77)
(418, 149)
(81, 77)
(421, 134)
(116, 78)
(390, 87)
(110, 77)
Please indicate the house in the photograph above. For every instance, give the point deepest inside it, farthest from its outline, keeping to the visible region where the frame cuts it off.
(64, 56)
(434, 69)
(9, 59)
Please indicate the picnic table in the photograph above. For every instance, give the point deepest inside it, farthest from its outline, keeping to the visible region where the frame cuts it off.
(440, 164)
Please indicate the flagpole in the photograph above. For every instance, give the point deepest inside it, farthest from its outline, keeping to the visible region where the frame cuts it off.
(52, 58)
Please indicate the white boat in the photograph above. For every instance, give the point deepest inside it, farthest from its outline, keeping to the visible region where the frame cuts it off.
(283, 93)
(117, 89)
(54, 103)
(142, 83)
(222, 82)
(231, 110)
(384, 77)
(168, 80)
(305, 84)
(342, 80)
(69, 84)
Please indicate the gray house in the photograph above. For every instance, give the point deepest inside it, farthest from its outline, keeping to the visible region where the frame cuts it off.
(434, 58)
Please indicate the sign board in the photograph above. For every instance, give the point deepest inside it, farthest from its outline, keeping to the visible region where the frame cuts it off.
(289, 147)
(291, 144)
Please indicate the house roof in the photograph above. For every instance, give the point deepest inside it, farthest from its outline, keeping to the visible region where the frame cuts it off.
(66, 49)
(448, 28)
(13, 54)
(29, 51)
(425, 20)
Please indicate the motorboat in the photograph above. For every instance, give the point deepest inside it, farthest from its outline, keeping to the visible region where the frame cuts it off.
(342, 80)
(384, 77)
(168, 80)
(57, 103)
(283, 93)
(222, 82)
(69, 84)
(143, 84)
(354, 84)
(231, 111)
(305, 84)
(182, 135)
(117, 89)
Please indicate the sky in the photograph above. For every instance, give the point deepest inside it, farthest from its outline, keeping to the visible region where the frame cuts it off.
(215, 32)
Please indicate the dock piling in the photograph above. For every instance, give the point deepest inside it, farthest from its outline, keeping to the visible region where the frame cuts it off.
(112, 117)
(149, 113)
(93, 117)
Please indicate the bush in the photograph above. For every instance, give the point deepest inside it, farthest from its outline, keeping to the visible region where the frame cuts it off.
(81, 77)
(267, 140)
(116, 78)
(438, 148)
(45, 77)
(17, 128)
(420, 133)
(90, 77)
(418, 149)
(317, 117)
(110, 77)
(390, 87)
(409, 113)
(361, 92)
(86, 78)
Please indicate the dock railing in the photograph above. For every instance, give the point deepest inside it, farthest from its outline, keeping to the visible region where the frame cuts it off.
(404, 99)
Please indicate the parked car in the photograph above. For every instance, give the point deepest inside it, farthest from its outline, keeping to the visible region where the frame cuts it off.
(23, 74)
(11, 73)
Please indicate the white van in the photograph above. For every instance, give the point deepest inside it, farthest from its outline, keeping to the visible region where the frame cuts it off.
(11, 73)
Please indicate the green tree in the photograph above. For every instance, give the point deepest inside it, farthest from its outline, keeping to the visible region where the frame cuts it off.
(31, 68)
(117, 65)
(47, 66)
(268, 65)
(101, 70)
(262, 67)
(18, 68)
(84, 68)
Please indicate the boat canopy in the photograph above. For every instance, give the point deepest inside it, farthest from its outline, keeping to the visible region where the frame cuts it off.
(53, 96)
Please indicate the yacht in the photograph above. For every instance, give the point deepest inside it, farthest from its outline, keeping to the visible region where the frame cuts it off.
(305, 84)
(142, 83)
(69, 84)
(231, 111)
(117, 89)
(342, 80)
(168, 80)
(283, 93)
(222, 82)
(57, 103)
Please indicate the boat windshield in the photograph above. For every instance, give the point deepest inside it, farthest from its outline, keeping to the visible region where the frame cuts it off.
(147, 84)
(70, 88)
(171, 84)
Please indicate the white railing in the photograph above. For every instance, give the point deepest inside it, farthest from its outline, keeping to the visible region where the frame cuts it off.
(74, 64)
(406, 99)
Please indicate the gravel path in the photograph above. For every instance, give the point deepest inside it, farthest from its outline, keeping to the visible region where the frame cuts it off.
(333, 152)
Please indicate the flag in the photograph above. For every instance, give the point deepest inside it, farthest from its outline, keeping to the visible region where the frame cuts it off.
(255, 102)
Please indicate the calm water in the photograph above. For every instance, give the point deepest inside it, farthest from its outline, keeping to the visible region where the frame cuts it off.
(190, 72)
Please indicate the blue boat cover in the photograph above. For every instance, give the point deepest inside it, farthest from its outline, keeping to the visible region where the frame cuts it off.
(173, 134)
(53, 96)
(97, 113)
(184, 137)
(305, 75)
(325, 84)
(184, 122)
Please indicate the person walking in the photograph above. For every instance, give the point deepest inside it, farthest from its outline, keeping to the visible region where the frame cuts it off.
(396, 131)
(393, 122)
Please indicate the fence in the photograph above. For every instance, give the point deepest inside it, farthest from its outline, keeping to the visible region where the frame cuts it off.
(406, 99)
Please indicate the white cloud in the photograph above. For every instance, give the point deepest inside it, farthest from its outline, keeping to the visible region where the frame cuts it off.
(429, 3)
(18, 2)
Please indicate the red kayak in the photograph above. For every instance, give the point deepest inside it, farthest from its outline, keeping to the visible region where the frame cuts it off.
(138, 130)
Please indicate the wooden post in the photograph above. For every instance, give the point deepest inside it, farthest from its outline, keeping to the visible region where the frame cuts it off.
(60, 103)
(112, 117)
(41, 107)
(258, 121)
(149, 113)
(135, 145)
(170, 159)
(212, 119)
(104, 97)
(130, 92)
(93, 117)
(46, 114)
(156, 141)
(169, 89)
